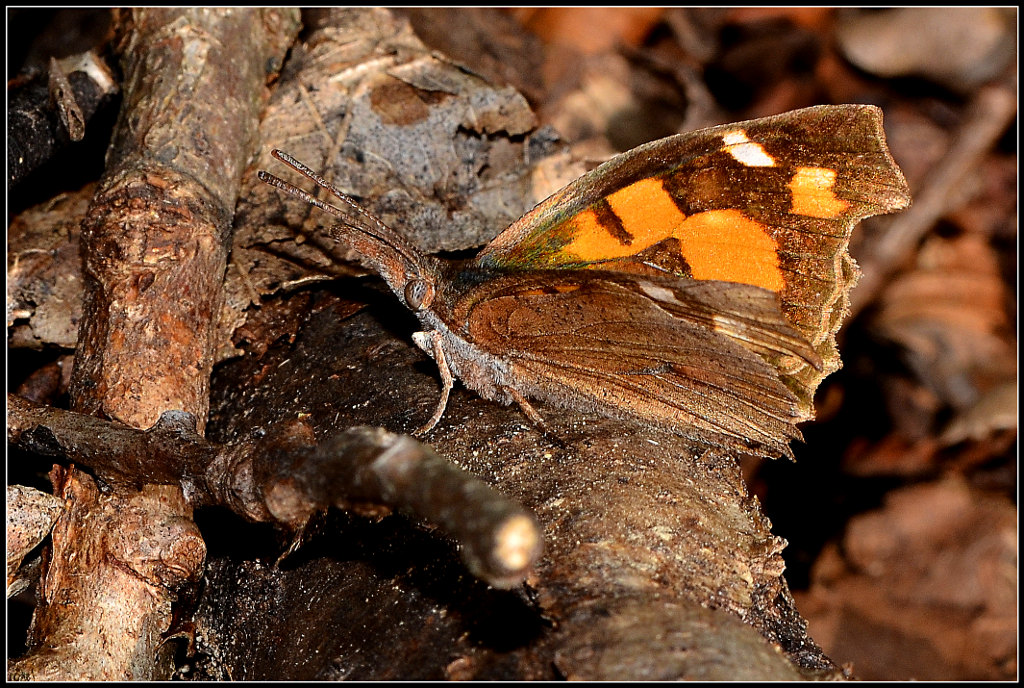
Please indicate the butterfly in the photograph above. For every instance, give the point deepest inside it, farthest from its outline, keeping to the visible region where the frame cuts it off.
(692, 284)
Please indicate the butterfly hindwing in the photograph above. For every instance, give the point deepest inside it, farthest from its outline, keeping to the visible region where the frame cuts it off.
(666, 351)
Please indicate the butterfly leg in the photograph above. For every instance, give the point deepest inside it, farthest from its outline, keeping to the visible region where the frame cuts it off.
(446, 379)
(527, 408)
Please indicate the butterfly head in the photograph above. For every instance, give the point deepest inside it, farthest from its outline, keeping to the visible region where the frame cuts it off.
(409, 273)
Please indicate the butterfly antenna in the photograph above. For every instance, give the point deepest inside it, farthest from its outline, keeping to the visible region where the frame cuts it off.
(371, 224)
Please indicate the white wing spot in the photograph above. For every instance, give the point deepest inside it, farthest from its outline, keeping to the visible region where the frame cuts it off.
(746, 151)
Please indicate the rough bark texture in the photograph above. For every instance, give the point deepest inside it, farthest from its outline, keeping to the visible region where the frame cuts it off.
(657, 562)
(154, 247)
(157, 235)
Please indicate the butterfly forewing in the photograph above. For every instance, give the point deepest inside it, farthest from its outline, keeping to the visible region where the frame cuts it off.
(770, 203)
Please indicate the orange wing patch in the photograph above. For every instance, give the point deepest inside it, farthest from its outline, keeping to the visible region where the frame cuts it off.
(814, 195)
(645, 212)
(716, 244)
(590, 240)
(727, 245)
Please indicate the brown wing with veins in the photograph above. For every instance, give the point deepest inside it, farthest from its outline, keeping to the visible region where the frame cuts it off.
(673, 353)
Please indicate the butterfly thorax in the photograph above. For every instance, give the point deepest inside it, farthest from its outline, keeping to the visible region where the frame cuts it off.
(478, 369)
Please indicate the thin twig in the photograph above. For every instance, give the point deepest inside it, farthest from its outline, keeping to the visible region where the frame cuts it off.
(282, 477)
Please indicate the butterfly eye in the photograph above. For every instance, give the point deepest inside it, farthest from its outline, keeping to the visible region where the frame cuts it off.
(419, 293)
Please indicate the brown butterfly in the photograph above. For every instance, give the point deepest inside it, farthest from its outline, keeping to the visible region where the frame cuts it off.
(688, 284)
